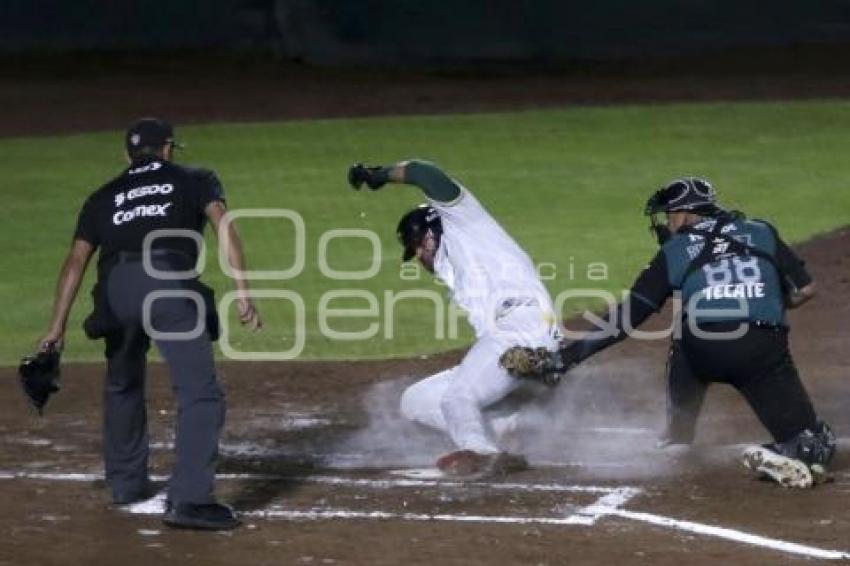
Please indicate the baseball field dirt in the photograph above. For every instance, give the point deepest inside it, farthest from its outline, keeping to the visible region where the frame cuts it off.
(315, 454)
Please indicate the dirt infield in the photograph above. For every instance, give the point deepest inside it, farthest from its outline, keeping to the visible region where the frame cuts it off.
(313, 453)
(313, 448)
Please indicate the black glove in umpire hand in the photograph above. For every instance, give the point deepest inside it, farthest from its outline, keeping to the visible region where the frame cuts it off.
(374, 177)
(40, 376)
(536, 364)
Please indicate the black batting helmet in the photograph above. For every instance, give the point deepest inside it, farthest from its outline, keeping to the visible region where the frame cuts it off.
(414, 225)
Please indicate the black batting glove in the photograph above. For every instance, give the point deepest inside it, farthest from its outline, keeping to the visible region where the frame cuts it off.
(374, 177)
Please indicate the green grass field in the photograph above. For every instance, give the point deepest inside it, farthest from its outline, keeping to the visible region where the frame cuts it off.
(568, 184)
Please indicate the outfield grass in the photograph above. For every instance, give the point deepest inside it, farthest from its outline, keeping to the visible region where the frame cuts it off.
(568, 184)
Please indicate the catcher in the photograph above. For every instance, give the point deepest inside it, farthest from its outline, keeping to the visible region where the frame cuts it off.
(496, 283)
(736, 278)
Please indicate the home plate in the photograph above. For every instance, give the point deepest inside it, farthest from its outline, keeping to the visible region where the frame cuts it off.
(419, 473)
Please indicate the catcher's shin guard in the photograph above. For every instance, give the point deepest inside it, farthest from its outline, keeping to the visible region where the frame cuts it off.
(814, 447)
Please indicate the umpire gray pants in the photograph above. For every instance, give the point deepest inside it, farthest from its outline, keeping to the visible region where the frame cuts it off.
(200, 400)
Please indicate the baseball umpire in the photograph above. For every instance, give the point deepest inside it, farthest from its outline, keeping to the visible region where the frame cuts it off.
(736, 278)
(496, 283)
(133, 304)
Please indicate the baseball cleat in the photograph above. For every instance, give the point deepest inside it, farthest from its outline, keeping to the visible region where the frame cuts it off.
(820, 474)
(470, 465)
(201, 516)
(461, 463)
(505, 463)
(787, 472)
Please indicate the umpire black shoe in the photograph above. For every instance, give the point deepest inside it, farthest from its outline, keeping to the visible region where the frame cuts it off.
(201, 516)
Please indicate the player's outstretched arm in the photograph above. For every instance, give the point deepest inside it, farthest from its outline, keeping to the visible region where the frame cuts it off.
(546, 366)
(646, 296)
(431, 179)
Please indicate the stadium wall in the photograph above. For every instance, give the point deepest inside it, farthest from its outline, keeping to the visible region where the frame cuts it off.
(424, 32)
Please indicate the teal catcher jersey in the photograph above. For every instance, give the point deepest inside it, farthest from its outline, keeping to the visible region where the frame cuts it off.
(730, 287)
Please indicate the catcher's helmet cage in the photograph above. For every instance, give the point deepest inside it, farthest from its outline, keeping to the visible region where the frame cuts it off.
(414, 225)
(688, 194)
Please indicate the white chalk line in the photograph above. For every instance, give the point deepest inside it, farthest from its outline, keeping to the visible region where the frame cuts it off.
(325, 514)
(328, 480)
(730, 534)
(343, 461)
(573, 520)
(607, 506)
(513, 486)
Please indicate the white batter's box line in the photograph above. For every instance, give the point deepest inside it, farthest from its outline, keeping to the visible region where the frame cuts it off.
(413, 483)
(605, 505)
(332, 480)
(331, 513)
(731, 535)
(658, 520)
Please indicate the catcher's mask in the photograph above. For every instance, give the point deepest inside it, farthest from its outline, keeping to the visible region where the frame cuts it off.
(413, 227)
(688, 194)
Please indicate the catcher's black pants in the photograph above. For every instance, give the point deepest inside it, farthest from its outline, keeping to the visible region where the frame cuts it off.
(200, 400)
(758, 364)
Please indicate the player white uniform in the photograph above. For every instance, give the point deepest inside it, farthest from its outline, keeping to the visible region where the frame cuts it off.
(496, 283)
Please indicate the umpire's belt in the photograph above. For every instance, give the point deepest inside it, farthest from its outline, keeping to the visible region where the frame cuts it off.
(177, 259)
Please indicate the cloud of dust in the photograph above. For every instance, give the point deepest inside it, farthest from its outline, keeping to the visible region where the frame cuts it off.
(604, 418)
(389, 439)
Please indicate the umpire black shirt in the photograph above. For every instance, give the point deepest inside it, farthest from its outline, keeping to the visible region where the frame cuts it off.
(151, 194)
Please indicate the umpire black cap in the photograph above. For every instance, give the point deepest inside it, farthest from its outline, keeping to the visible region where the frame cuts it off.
(685, 194)
(414, 225)
(148, 132)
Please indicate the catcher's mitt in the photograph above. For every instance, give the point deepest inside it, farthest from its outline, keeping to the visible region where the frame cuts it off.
(537, 364)
(40, 376)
